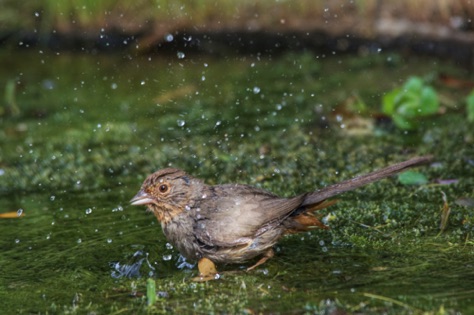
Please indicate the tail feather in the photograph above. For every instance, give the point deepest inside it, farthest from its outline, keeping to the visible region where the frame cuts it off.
(307, 220)
(336, 189)
(304, 218)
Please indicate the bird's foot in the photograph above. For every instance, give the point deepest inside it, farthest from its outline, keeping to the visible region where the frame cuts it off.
(266, 256)
(207, 271)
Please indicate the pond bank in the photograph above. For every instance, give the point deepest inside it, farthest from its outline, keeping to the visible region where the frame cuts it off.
(346, 35)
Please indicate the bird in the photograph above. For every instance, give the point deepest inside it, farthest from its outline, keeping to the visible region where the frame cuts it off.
(235, 223)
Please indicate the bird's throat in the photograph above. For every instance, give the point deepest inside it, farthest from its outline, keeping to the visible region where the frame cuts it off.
(164, 214)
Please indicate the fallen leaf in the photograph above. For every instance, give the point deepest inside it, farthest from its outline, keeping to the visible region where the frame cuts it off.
(444, 213)
(412, 178)
(12, 215)
(465, 202)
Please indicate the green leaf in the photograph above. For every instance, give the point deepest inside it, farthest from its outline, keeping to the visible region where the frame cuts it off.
(388, 102)
(410, 102)
(414, 85)
(470, 106)
(412, 178)
(402, 122)
(408, 109)
(429, 103)
(150, 291)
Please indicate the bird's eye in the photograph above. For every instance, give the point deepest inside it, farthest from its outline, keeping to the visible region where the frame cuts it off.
(163, 188)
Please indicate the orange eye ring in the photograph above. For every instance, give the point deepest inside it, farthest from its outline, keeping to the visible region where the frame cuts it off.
(163, 188)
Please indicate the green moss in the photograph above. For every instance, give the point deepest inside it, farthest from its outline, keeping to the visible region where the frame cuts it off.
(74, 168)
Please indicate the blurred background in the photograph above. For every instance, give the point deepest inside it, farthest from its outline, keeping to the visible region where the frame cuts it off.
(245, 26)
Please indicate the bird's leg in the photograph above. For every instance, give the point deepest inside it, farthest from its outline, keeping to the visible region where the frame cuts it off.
(207, 270)
(266, 256)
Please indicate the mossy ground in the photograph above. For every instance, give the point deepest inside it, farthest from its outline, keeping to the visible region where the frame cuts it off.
(90, 129)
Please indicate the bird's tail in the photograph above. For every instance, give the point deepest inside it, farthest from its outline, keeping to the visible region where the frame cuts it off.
(320, 195)
(305, 218)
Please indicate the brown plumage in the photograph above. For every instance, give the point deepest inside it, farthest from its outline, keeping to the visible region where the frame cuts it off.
(234, 223)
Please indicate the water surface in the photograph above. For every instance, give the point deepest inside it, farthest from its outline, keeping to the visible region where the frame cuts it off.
(91, 127)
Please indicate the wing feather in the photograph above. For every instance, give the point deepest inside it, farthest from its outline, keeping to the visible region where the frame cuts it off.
(240, 214)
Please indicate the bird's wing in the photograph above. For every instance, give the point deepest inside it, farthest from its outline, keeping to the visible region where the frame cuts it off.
(240, 214)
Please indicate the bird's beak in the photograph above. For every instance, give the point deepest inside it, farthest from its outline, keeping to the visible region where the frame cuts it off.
(141, 198)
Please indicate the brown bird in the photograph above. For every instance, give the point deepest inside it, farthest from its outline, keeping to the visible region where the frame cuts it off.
(234, 223)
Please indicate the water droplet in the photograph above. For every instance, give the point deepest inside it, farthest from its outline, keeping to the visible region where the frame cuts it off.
(88, 211)
(118, 208)
(203, 78)
(52, 198)
(109, 240)
(218, 123)
(169, 37)
(204, 196)
(79, 241)
(19, 212)
(181, 55)
(114, 86)
(17, 241)
(167, 257)
(256, 90)
(169, 246)
(181, 122)
(187, 208)
(37, 14)
(142, 83)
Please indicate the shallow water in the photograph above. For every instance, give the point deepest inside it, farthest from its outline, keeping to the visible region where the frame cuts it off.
(91, 127)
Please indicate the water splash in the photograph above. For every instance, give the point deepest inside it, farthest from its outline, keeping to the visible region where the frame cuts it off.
(131, 270)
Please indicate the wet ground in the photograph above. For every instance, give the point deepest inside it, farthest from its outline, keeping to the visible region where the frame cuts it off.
(88, 129)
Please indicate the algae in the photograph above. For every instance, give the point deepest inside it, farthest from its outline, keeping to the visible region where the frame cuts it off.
(91, 128)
